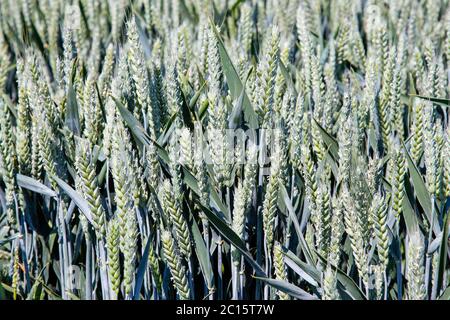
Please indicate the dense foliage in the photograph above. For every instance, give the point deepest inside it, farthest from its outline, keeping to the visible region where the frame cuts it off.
(210, 149)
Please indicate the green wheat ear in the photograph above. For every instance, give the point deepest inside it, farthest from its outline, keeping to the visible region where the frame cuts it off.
(280, 269)
(337, 231)
(178, 220)
(89, 185)
(238, 219)
(330, 291)
(23, 138)
(270, 200)
(130, 251)
(113, 241)
(176, 269)
(446, 165)
(9, 166)
(415, 269)
(355, 232)
(379, 212)
(398, 178)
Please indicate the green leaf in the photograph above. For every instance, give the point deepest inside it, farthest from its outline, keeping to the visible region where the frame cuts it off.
(136, 128)
(349, 285)
(2, 292)
(290, 208)
(76, 197)
(443, 254)
(194, 99)
(192, 183)
(288, 288)
(442, 101)
(235, 117)
(411, 85)
(84, 19)
(234, 82)
(169, 127)
(287, 77)
(36, 37)
(186, 112)
(35, 292)
(143, 39)
(305, 270)
(185, 11)
(34, 185)
(140, 134)
(49, 291)
(234, 120)
(421, 190)
(202, 254)
(3, 241)
(103, 172)
(412, 224)
(72, 296)
(7, 287)
(72, 120)
(329, 141)
(202, 110)
(233, 238)
(446, 295)
(236, 5)
(141, 269)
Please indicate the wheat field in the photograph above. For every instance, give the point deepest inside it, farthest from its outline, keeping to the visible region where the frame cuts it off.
(218, 150)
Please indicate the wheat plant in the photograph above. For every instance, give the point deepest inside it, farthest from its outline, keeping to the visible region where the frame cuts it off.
(209, 149)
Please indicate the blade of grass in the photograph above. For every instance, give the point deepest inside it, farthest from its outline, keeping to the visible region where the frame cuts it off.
(34, 185)
(234, 82)
(421, 191)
